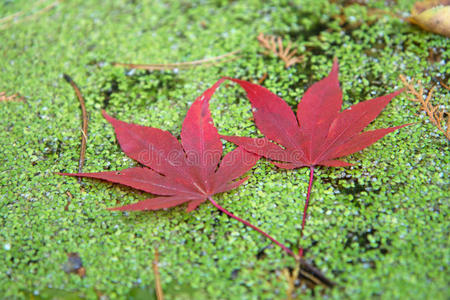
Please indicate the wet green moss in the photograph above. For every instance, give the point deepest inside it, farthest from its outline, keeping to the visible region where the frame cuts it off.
(378, 229)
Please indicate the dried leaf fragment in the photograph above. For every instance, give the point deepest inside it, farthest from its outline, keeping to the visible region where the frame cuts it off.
(432, 15)
(13, 97)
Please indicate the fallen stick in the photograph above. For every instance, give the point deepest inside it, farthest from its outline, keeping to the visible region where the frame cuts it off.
(179, 65)
(84, 121)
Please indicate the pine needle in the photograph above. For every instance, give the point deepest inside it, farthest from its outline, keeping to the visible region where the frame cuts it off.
(181, 65)
(274, 45)
(19, 17)
(436, 116)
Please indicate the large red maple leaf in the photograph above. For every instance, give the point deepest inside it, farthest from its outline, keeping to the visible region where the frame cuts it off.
(319, 135)
(188, 172)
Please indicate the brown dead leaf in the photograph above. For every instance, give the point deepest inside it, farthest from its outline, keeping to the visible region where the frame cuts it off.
(432, 15)
(74, 265)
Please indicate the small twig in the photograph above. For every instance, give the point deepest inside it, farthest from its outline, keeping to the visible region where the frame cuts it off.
(18, 14)
(261, 80)
(159, 290)
(435, 115)
(70, 196)
(274, 44)
(180, 65)
(84, 126)
(311, 277)
(444, 85)
(9, 20)
(10, 17)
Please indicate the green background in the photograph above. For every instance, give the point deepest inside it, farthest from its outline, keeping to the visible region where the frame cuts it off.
(377, 229)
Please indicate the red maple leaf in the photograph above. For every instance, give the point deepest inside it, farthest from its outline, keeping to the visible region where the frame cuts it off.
(191, 171)
(319, 135)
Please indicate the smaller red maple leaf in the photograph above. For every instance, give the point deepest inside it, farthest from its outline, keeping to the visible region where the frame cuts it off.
(188, 172)
(319, 135)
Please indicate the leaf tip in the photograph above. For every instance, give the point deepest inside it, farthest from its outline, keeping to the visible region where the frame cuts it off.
(335, 61)
(398, 92)
(404, 125)
(107, 117)
(335, 67)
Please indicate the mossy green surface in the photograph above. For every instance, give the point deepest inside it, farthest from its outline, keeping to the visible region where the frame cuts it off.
(379, 229)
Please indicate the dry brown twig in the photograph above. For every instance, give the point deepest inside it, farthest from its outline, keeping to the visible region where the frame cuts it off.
(84, 123)
(11, 17)
(18, 14)
(447, 87)
(309, 275)
(264, 77)
(274, 45)
(13, 97)
(70, 197)
(182, 65)
(435, 115)
(17, 18)
(159, 290)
